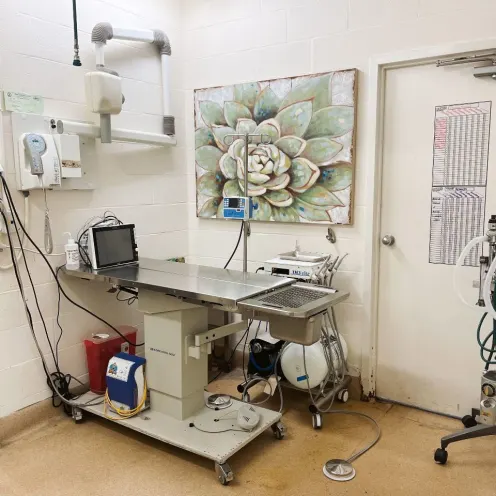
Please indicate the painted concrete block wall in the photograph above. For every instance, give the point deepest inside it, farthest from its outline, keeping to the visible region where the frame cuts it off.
(227, 42)
(139, 184)
(215, 42)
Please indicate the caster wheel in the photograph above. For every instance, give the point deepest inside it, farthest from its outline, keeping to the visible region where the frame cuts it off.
(441, 456)
(343, 396)
(279, 430)
(77, 415)
(469, 421)
(317, 421)
(224, 473)
(223, 480)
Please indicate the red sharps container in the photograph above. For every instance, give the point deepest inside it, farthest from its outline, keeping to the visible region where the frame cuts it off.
(100, 348)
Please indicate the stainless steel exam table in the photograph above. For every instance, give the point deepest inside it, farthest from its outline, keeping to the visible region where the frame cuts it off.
(174, 299)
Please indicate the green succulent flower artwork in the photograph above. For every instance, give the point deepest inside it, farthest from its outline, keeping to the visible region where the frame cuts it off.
(305, 173)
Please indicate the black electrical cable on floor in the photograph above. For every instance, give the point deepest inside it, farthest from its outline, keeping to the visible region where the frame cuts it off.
(236, 247)
(55, 275)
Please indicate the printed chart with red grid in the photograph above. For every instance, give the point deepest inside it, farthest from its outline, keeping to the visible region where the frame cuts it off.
(459, 177)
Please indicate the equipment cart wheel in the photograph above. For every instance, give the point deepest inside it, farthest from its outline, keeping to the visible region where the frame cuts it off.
(77, 414)
(441, 456)
(279, 430)
(224, 473)
(317, 421)
(469, 421)
(343, 396)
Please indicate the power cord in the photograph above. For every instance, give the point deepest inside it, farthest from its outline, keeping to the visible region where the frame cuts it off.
(54, 273)
(56, 380)
(129, 300)
(236, 247)
(58, 383)
(233, 351)
(121, 412)
(108, 218)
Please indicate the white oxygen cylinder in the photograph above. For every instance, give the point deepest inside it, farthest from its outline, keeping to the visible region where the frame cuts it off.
(71, 253)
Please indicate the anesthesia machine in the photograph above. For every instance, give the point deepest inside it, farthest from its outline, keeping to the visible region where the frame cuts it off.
(482, 422)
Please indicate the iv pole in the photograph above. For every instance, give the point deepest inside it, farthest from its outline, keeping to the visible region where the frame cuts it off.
(264, 140)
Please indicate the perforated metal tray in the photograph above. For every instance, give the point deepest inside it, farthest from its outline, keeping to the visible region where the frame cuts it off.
(298, 301)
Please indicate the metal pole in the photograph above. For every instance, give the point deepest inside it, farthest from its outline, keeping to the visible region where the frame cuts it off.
(246, 223)
(229, 140)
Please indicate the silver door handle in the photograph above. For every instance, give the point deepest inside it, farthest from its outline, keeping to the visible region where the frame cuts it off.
(388, 240)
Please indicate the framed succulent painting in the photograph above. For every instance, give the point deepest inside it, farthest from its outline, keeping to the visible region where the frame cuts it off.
(304, 169)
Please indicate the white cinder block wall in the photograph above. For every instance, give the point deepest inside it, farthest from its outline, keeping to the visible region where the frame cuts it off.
(139, 184)
(214, 42)
(228, 42)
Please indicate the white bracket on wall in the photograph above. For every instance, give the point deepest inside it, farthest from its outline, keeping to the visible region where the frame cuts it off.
(83, 151)
(203, 341)
(89, 130)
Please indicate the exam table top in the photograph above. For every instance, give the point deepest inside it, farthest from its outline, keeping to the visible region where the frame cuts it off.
(194, 282)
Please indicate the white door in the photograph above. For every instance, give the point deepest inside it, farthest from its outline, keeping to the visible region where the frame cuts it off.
(427, 350)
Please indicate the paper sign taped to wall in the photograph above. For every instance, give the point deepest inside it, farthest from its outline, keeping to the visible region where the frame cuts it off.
(23, 102)
(459, 180)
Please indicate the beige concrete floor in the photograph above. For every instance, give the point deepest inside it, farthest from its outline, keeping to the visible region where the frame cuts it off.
(52, 456)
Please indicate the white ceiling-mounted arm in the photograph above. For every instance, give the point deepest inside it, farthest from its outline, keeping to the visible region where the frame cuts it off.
(104, 31)
(144, 35)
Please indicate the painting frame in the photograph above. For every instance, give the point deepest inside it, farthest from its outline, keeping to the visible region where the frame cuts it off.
(307, 174)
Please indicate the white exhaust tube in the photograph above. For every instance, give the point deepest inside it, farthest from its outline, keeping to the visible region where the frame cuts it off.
(144, 35)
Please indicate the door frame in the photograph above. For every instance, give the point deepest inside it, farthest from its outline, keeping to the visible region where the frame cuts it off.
(378, 67)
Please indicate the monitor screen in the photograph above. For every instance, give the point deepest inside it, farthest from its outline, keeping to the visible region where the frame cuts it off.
(114, 245)
(235, 202)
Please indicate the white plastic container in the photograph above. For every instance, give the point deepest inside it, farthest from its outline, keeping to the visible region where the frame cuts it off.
(71, 253)
(294, 368)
